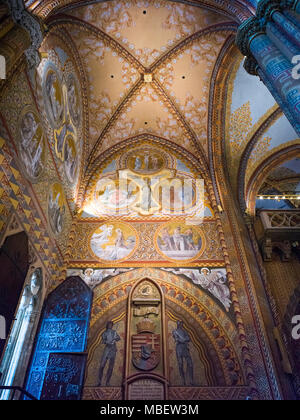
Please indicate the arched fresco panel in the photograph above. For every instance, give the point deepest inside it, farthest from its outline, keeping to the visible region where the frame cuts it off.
(213, 346)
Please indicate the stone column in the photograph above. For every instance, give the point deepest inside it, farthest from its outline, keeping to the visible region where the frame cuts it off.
(269, 41)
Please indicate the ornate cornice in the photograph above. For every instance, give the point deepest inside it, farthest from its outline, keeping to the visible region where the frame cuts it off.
(31, 24)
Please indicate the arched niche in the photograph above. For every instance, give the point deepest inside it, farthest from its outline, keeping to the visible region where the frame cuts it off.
(63, 329)
(146, 351)
(213, 344)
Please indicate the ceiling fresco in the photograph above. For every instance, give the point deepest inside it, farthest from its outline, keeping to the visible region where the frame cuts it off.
(164, 77)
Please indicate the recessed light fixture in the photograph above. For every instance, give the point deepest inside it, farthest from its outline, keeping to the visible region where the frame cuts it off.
(145, 12)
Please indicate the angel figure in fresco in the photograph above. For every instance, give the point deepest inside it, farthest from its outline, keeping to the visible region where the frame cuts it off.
(99, 239)
(93, 277)
(215, 283)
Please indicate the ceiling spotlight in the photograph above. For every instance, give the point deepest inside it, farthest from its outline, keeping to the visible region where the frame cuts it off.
(261, 197)
(276, 198)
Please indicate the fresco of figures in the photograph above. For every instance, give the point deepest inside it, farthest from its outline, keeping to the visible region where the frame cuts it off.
(113, 242)
(31, 144)
(56, 208)
(112, 195)
(53, 98)
(212, 280)
(70, 159)
(146, 161)
(178, 241)
(73, 100)
(93, 277)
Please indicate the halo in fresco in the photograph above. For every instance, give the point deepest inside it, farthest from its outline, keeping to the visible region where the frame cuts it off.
(53, 97)
(70, 159)
(56, 208)
(31, 144)
(177, 241)
(146, 161)
(113, 241)
(73, 99)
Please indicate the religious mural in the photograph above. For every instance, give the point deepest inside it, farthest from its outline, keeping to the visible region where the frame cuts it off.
(213, 281)
(146, 181)
(56, 208)
(178, 241)
(53, 96)
(73, 99)
(31, 144)
(70, 159)
(113, 242)
(146, 161)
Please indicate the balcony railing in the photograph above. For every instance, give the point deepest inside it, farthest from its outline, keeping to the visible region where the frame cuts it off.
(281, 224)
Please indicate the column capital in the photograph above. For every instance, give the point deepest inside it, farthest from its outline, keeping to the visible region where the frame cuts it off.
(251, 27)
(32, 25)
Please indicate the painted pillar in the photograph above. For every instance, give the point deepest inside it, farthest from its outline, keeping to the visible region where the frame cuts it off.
(271, 41)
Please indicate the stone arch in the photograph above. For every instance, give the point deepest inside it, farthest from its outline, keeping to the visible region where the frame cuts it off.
(183, 300)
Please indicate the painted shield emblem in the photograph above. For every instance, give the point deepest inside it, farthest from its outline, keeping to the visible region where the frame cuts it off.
(145, 351)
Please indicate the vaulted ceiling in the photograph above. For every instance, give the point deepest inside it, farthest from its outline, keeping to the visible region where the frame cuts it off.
(148, 67)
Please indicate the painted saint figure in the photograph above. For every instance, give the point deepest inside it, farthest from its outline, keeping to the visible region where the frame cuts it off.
(182, 340)
(109, 338)
(31, 145)
(56, 108)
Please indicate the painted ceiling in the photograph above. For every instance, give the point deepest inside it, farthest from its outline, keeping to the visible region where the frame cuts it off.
(146, 68)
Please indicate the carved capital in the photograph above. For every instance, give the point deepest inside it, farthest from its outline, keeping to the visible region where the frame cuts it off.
(256, 25)
(266, 8)
(31, 24)
(246, 31)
